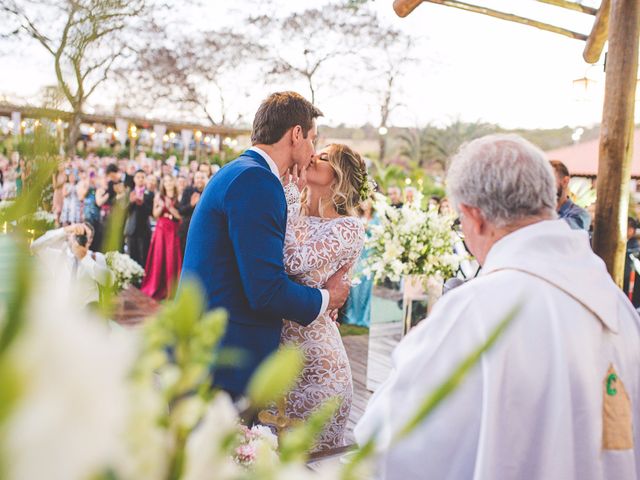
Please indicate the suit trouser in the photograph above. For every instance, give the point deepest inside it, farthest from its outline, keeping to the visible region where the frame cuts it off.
(138, 246)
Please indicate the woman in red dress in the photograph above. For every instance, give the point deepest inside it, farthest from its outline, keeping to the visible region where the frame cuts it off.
(164, 260)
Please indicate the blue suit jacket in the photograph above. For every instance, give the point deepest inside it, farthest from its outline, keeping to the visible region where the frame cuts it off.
(235, 248)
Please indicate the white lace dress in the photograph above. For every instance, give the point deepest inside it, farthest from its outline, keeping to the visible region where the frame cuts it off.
(315, 248)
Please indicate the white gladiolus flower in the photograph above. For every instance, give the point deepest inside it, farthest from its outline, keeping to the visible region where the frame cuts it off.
(204, 456)
(69, 419)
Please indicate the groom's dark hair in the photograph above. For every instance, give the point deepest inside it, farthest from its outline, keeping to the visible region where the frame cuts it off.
(280, 112)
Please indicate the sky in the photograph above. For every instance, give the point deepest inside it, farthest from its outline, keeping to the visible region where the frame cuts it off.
(472, 67)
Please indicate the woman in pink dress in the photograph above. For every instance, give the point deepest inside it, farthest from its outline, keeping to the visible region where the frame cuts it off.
(164, 260)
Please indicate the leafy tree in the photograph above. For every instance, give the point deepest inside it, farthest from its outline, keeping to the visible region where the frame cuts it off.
(191, 72)
(85, 38)
(315, 39)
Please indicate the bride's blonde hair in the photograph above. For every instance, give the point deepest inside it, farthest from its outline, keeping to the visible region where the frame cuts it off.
(351, 179)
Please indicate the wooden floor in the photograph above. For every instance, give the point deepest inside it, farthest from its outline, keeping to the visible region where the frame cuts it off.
(370, 358)
(369, 355)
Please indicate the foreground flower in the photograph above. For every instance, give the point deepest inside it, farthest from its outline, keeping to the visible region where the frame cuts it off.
(70, 415)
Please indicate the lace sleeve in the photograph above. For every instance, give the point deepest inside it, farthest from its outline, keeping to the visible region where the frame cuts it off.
(307, 252)
(292, 195)
(351, 229)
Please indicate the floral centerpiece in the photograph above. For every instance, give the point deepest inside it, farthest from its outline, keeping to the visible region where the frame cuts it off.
(125, 271)
(411, 241)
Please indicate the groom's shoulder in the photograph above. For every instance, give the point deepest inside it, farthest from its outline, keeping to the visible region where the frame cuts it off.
(245, 171)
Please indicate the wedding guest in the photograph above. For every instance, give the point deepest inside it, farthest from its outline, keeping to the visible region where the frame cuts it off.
(19, 163)
(137, 227)
(91, 202)
(206, 169)
(181, 186)
(409, 194)
(188, 204)
(9, 187)
(631, 283)
(71, 210)
(395, 197)
(164, 260)
(577, 218)
(129, 172)
(59, 180)
(444, 207)
(67, 257)
(558, 395)
(151, 182)
(358, 306)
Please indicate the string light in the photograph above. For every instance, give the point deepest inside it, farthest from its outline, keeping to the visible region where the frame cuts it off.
(165, 138)
(172, 135)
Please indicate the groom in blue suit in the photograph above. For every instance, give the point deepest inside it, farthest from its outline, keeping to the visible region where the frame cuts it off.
(235, 241)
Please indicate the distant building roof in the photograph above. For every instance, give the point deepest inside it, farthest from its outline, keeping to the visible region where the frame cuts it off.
(582, 158)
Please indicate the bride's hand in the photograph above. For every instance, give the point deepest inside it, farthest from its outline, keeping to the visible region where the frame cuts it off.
(297, 177)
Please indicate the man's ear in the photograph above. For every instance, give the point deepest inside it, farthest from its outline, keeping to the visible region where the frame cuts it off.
(296, 134)
(473, 217)
(565, 182)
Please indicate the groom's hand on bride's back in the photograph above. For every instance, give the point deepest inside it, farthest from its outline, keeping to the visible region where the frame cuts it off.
(338, 287)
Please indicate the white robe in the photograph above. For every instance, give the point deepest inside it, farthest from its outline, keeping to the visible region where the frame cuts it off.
(532, 407)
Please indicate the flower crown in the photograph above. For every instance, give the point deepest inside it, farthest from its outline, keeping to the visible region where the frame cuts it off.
(367, 188)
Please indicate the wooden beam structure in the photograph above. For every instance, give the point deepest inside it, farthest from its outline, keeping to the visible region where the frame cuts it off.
(616, 136)
(578, 7)
(599, 34)
(407, 6)
(35, 112)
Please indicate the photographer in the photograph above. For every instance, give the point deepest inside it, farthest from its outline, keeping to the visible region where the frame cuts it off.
(65, 254)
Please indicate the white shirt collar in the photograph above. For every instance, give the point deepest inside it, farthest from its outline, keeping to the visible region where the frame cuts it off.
(268, 159)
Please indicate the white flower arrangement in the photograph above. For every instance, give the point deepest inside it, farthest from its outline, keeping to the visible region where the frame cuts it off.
(411, 241)
(125, 271)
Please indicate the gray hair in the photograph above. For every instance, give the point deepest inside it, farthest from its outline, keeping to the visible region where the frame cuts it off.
(505, 176)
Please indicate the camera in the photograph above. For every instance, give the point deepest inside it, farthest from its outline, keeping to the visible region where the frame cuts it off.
(82, 240)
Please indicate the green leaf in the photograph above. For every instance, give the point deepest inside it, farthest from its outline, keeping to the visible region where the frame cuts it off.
(188, 308)
(297, 443)
(15, 287)
(275, 376)
(113, 243)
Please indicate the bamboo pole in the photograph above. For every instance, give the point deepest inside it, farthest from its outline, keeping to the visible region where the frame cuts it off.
(571, 6)
(616, 136)
(404, 7)
(598, 35)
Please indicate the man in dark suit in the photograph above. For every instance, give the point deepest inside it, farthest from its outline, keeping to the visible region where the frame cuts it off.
(187, 205)
(137, 229)
(236, 240)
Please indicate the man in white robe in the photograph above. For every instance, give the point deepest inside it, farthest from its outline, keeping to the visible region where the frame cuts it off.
(558, 396)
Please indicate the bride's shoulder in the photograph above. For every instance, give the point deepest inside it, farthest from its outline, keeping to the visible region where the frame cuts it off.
(351, 223)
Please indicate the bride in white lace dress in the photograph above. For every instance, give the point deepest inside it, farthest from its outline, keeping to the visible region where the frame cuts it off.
(323, 235)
